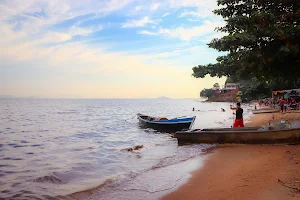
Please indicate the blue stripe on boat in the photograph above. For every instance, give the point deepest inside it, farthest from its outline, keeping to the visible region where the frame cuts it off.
(176, 120)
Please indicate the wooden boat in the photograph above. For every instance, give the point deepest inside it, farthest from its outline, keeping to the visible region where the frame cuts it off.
(239, 135)
(164, 124)
(269, 110)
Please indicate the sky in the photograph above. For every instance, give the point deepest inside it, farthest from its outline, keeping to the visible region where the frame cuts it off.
(106, 48)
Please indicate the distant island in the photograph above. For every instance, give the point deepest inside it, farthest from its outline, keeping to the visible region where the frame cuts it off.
(163, 97)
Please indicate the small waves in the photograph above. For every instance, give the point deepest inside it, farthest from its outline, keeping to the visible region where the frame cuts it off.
(141, 181)
(51, 148)
(186, 153)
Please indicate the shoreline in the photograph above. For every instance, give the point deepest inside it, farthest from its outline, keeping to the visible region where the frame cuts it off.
(266, 118)
(144, 186)
(263, 172)
(208, 181)
(245, 172)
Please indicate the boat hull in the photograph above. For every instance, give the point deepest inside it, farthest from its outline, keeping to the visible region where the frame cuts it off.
(240, 137)
(260, 111)
(170, 127)
(166, 127)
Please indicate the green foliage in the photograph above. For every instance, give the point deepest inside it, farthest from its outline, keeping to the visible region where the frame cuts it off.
(207, 93)
(231, 79)
(255, 90)
(262, 42)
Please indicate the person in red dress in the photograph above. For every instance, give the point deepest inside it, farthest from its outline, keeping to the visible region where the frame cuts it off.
(239, 121)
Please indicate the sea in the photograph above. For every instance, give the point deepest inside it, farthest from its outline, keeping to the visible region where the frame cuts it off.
(78, 148)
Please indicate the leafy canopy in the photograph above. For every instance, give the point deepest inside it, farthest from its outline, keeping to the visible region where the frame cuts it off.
(207, 93)
(262, 42)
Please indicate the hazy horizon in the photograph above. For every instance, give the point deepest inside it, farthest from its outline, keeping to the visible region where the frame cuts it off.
(34, 97)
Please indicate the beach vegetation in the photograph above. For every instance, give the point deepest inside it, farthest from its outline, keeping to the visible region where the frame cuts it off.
(208, 93)
(261, 42)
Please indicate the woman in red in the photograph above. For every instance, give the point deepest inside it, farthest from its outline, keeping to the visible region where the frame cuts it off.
(239, 121)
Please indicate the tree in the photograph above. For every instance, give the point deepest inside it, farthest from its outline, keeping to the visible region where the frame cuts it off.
(207, 93)
(262, 42)
(255, 90)
(232, 79)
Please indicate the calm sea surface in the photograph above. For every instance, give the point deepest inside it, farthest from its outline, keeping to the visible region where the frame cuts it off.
(52, 148)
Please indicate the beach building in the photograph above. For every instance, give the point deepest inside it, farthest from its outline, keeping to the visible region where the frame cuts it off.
(227, 93)
(231, 88)
(228, 89)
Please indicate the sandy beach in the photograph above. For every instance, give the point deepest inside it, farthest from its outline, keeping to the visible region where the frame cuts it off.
(264, 119)
(264, 172)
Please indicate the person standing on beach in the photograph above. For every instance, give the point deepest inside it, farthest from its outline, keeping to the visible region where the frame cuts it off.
(282, 102)
(239, 121)
(285, 105)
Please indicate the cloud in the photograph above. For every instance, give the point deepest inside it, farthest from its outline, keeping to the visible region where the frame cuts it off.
(37, 37)
(209, 38)
(138, 23)
(192, 13)
(166, 14)
(35, 16)
(154, 6)
(193, 20)
(137, 8)
(84, 31)
(177, 52)
(196, 8)
(55, 37)
(186, 33)
(82, 71)
(198, 14)
(202, 5)
(30, 22)
(144, 32)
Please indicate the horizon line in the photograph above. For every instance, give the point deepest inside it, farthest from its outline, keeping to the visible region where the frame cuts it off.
(14, 97)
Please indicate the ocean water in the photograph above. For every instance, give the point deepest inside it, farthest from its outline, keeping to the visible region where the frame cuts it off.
(52, 148)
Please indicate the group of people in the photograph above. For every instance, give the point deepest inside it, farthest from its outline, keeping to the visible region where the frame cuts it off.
(290, 103)
(285, 103)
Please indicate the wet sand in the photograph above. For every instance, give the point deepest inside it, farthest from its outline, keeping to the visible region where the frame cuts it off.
(261, 172)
